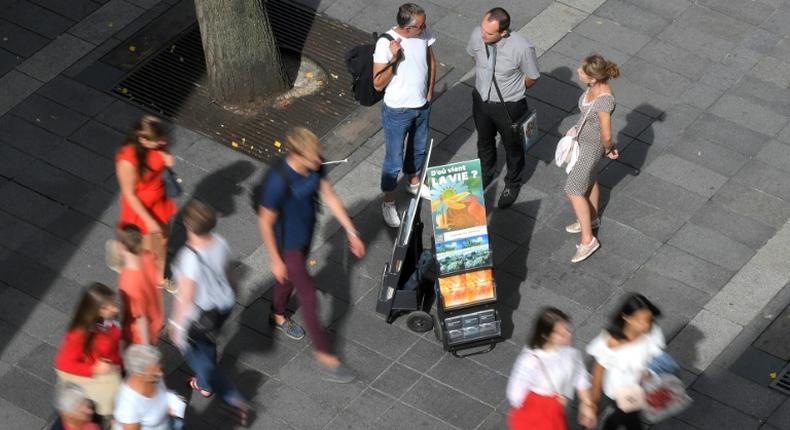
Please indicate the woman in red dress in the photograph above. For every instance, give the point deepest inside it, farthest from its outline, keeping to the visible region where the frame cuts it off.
(138, 166)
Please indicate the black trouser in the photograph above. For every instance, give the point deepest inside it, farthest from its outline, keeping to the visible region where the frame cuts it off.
(490, 118)
(619, 419)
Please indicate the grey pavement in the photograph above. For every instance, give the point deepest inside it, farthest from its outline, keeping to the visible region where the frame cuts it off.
(695, 212)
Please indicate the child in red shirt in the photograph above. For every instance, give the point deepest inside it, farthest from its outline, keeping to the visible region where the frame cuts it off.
(89, 355)
(143, 308)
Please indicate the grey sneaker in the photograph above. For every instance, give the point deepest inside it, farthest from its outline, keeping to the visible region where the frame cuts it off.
(342, 374)
(577, 228)
(289, 328)
(390, 214)
(424, 193)
(584, 251)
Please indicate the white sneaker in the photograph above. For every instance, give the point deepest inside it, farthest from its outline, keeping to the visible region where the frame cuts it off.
(390, 214)
(425, 193)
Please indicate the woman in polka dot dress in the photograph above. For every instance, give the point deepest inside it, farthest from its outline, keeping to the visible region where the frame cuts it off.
(595, 140)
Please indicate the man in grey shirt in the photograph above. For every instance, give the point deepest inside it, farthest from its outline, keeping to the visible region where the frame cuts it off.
(506, 60)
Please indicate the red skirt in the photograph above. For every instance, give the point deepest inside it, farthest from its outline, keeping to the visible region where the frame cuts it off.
(538, 413)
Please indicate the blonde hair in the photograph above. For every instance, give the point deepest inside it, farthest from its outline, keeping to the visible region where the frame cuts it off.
(599, 68)
(302, 140)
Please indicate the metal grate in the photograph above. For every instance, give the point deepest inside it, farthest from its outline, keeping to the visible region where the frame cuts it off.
(782, 381)
(171, 83)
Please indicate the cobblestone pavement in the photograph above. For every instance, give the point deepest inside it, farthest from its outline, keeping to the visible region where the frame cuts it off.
(696, 213)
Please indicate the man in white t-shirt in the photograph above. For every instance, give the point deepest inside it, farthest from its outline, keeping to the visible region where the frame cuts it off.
(405, 68)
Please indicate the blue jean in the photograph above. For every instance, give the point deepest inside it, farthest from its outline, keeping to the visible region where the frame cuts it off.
(202, 358)
(400, 124)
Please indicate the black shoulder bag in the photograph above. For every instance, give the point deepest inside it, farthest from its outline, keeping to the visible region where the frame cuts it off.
(526, 127)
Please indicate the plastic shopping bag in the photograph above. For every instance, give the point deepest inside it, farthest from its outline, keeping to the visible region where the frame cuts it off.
(665, 396)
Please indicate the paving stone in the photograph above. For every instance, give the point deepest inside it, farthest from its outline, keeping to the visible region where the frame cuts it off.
(748, 292)
(452, 108)
(699, 343)
(556, 276)
(745, 230)
(577, 47)
(765, 178)
(27, 392)
(98, 138)
(712, 246)
(649, 220)
(16, 345)
(551, 25)
(756, 365)
(106, 21)
(387, 340)
(759, 205)
(772, 339)
(29, 206)
(560, 65)
(16, 417)
(344, 10)
(396, 380)
(668, 9)
(633, 17)
(75, 10)
(422, 356)
(611, 33)
(708, 414)
(55, 183)
(447, 404)
(697, 41)
(754, 14)
(40, 282)
(702, 96)
(686, 174)
(49, 115)
(511, 224)
(675, 58)
(19, 40)
(586, 5)
(642, 99)
(402, 417)
(549, 117)
(764, 94)
(717, 158)
(727, 133)
(470, 378)
(37, 19)
(55, 57)
(520, 11)
(781, 417)
(76, 96)
(773, 71)
(655, 77)
(8, 61)
(713, 23)
(689, 269)
(39, 362)
(81, 162)
(14, 88)
(751, 115)
(659, 193)
(556, 93)
(280, 400)
(12, 161)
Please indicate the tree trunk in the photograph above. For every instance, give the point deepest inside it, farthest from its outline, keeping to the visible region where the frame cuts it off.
(242, 59)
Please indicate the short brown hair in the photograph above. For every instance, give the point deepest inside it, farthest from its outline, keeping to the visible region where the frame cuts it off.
(130, 236)
(199, 218)
(302, 140)
(599, 68)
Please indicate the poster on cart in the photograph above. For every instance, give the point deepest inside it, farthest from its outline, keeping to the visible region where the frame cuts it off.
(461, 235)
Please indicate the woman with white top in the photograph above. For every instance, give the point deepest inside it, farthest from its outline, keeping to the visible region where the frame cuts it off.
(544, 378)
(622, 353)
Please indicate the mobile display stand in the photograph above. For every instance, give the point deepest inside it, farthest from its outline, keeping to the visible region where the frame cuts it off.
(465, 288)
(403, 286)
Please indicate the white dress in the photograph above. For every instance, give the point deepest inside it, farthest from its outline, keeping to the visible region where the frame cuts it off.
(624, 363)
(563, 366)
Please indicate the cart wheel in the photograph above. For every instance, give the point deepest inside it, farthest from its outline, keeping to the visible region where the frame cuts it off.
(419, 321)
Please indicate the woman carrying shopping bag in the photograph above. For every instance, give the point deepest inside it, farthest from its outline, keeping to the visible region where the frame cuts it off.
(544, 378)
(622, 354)
(205, 300)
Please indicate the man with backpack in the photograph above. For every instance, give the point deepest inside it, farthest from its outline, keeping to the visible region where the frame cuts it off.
(286, 217)
(405, 69)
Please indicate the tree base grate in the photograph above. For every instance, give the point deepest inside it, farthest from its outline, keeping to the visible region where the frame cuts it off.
(172, 83)
(782, 381)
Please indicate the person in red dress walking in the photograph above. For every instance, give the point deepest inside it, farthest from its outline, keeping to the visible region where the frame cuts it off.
(138, 166)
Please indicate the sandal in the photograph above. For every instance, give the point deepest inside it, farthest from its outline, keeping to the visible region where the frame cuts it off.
(202, 392)
(241, 410)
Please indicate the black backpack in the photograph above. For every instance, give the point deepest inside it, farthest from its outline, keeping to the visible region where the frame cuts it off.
(359, 61)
